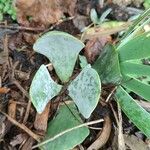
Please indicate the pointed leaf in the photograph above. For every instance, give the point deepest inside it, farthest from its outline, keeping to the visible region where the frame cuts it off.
(93, 16)
(62, 50)
(139, 116)
(107, 66)
(63, 121)
(137, 48)
(85, 90)
(43, 89)
(137, 87)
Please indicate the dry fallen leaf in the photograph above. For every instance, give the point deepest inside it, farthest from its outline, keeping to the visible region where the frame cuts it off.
(43, 12)
(28, 144)
(135, 143)
(124, 3)
(12, 109)
(94, 46)
(41, 120)
(18, 139)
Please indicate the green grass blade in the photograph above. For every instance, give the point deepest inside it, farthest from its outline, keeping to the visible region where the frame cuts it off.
(139, 116)
(136, 26)
(137, 22)
(137, 48)
(134, 69)
(137, 87)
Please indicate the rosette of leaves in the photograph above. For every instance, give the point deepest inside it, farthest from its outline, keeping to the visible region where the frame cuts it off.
(62, 50)
(125, 67)
(6, 7)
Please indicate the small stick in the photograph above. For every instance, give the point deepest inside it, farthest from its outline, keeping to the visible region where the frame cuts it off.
(23, 127)
(103, 135)
(111, 93)
(115, 115)
(121, 143)
(27, 111)
(20, 88)
(21, 28)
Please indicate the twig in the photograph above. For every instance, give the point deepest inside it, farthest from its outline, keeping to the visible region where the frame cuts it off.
(20, 88)
(94, 128)
(121, 143)
(23, 127)
(66, 131)
(115, 115)
(27, 111)
(21, 28)
(5, 43)
(14, 81)
(111, 93)
(103, 135)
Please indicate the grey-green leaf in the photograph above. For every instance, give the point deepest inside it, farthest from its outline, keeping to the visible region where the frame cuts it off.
(107, 66)
(83, 61)
(63, 121)
(43, 89)
(85, 90)
(139, 116)
(93, 16)
(62, 50)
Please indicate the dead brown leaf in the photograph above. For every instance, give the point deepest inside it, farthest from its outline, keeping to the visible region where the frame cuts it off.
(124, 3)
(94, 46)
(18, 139)
(43, 12)
(40, 122)
(12, 109)
(135, 143)
(30, 38)
(102, 31)
(28, 144)
(4, 90)
(81, 22)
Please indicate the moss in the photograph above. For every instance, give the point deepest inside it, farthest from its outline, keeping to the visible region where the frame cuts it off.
(6, 7)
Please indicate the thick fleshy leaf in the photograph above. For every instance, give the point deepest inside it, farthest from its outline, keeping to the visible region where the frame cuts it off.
(137, 48)
(137, 87)
(63, 121)
(83, 61)
(62, 50)
(85, 90)
(43, 89)
(139, 116)
(107, 66)
(134, 69)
